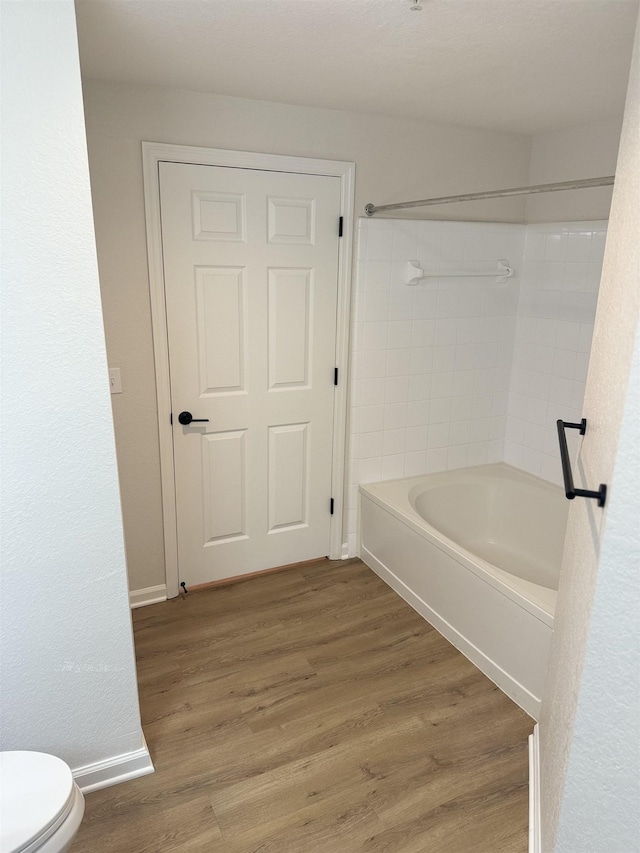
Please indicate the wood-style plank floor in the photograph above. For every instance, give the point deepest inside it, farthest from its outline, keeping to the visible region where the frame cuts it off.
(313, 711)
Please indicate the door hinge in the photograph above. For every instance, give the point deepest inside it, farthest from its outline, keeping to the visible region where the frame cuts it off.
(335, 375)
(340, 226)
(171, 418)
(331, 506)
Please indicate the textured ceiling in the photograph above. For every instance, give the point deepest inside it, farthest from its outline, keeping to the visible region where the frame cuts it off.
(519, 65)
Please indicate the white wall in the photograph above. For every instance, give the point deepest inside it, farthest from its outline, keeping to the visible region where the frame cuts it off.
(395, 160)
(567, 154)
(68, 677)
(589, 722)
(602, 787)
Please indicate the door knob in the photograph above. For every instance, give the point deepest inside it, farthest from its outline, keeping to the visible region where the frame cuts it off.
(187, 418)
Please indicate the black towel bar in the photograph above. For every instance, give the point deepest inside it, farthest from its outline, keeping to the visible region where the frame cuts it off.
(569, 489)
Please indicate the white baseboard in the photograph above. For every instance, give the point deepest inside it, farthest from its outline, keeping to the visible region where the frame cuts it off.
(150, 595)
(112, 771)
(535, 842)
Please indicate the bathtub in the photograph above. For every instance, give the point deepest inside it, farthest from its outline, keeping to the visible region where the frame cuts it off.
(477, 552)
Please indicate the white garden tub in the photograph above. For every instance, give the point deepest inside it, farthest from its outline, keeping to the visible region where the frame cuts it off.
(477, 553)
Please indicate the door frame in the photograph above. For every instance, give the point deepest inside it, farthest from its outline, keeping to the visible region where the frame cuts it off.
(152, 154)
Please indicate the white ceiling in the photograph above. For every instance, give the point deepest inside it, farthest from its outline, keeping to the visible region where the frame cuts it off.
(519, 65)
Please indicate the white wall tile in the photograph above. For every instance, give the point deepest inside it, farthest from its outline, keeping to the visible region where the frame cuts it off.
(472, 304)
(423, 333)
(453, 241)
(446, 332)
(415, 463)
(377, 275)
(398, 362)
(480, 429)
(582, 366)
(393, 442)
(405, 240)
(459, 433)
(478, 453)
(469, 356)
(416, 438)
(555, 247)
(499, 403)
(376, 306)
(374, 336)
(440, 410)
(379, 246)
(444, 359)
(356, 365)
(482, 406)
(448, 303)
(468, 331)
(393, 467)
(531, 461)
(534, 245)
(594, 273)
(436, 460)
(553, 333)
(418, 413)
(425, 304)
(483, 381)
(584, 340)
(579, 246)
(475, 245)
(438, 435)
(370, 445)
(551, 469)
(458, 457)
(372, 392)
(463, 382)
(398, 333)
(370, 470)
(401, 304)
(598, 239)
(495, 451)
(421, 360)
(369, 418)
(513, 454)
(461, 408)
(396, 389)
(420, 386)
(373, 364)
(395, 415)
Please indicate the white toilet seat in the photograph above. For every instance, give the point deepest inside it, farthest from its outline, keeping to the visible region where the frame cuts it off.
(41, 806)
(58, 838)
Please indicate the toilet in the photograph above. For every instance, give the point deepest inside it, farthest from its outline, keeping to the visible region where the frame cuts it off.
(41, 807)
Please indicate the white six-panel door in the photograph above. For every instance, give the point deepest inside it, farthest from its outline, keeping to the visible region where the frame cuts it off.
(251, 267)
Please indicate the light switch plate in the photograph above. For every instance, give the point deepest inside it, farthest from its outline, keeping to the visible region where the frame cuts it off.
(115, 382)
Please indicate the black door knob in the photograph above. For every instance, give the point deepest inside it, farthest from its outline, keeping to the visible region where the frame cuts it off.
(187, 418)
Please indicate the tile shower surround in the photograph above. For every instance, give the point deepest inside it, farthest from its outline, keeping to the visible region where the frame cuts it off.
(559, 284)
(460, 371)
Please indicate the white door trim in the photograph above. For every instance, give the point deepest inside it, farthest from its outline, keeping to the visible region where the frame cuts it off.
(152, 154)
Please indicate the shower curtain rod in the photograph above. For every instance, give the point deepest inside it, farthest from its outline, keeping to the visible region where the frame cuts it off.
(371, 209)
